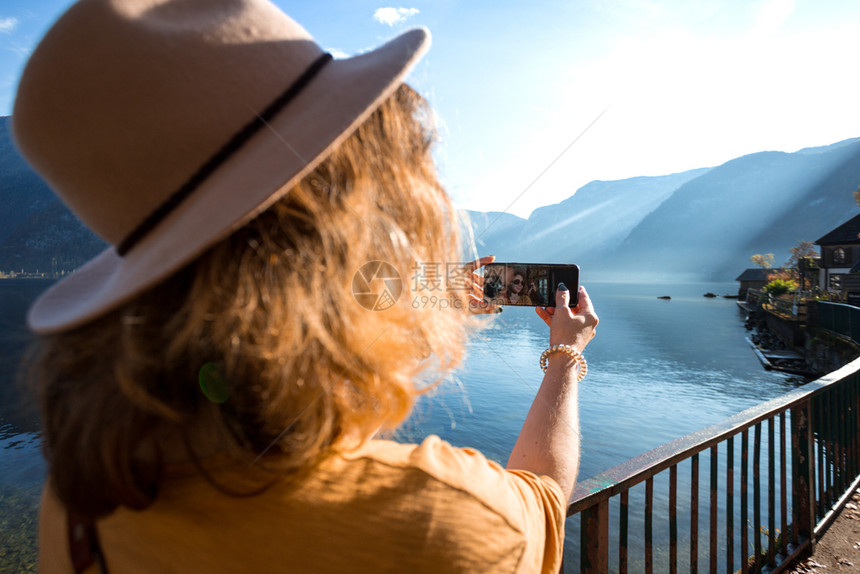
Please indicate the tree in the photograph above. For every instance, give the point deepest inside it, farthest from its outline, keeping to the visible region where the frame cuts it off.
(778, 287)
(803, 250)
(801, 266)
(765, 261)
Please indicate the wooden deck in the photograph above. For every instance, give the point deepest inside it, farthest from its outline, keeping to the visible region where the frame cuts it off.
(783, 360)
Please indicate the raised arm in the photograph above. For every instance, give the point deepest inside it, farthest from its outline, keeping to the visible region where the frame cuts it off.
(549, 440)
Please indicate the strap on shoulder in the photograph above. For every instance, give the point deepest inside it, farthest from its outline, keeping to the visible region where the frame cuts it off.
(84, 545)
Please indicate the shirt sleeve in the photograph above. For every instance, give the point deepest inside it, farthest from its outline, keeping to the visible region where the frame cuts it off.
(543, 493)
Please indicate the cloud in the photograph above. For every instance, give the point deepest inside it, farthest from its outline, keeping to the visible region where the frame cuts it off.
(392, 16)
(7, 25)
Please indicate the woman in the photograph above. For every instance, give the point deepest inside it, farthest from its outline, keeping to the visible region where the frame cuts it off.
(515, 293)
(211, 384)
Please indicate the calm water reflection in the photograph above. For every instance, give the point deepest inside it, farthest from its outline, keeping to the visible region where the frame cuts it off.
(21, 466)
(657, 370)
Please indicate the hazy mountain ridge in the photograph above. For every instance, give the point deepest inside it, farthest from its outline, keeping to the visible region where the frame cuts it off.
(37, 232)
(625, 203)
(763, 202)
(826, 205)
(21, 191)
(572, 230)
(492, 228)
(702, 223)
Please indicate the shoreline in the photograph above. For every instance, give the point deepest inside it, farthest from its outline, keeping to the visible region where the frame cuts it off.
(20, 276)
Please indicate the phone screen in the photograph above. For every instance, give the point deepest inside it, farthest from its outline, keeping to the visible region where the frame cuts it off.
(528, 284)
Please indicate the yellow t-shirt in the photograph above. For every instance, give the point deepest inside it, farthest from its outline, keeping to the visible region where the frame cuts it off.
(386, 507)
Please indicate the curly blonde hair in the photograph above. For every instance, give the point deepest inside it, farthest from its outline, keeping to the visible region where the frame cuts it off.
(267, 317)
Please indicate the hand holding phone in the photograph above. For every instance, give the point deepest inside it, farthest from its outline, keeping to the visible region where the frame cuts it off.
(528, 284)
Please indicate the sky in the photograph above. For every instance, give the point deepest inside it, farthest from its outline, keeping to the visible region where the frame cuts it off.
(536, 99)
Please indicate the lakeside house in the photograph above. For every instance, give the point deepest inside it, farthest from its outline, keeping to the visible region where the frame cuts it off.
(754, 278)
(840, 260)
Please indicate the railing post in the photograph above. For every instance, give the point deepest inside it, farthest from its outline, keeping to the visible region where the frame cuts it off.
(594, 539)
(803, 467)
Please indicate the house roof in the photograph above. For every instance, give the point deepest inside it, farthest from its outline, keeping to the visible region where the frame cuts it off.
(845, 233)
(757, 274)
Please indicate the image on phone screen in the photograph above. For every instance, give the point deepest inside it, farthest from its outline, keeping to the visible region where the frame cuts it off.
(528, 284)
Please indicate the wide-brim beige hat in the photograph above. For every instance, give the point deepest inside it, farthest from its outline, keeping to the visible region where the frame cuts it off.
(165, 125)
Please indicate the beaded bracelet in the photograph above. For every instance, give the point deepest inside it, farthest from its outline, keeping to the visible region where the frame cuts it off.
(567, 350)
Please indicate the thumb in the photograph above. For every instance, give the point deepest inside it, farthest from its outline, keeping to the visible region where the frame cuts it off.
(562, 296)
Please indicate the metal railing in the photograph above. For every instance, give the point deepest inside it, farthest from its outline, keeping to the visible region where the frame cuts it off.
(840, 319)
(753, 295)
(788, 308)
(803, 467)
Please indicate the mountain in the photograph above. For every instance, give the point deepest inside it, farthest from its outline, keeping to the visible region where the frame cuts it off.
(701, 224)
(21, 190)
(37, 232)
(573, 231)
(764, 202)
(494, 230)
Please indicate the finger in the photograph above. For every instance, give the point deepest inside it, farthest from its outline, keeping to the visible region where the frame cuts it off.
(476, 307)
(475, 299)
(478, 293)
(543, 314)
(480, 306)
(562, 295)
(583, 302)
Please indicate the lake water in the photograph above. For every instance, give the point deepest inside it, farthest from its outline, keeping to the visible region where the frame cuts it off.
(658, 370)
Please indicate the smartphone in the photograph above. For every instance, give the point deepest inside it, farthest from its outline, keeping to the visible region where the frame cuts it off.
(528, 284)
